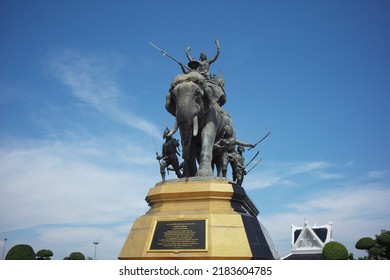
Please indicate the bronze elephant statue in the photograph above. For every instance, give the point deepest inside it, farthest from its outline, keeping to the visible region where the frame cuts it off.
(200, 118)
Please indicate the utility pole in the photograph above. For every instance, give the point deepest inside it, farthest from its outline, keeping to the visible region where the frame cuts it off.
(96, 243)
(5, 240)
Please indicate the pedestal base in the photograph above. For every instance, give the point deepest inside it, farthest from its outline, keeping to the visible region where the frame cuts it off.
(196, 218)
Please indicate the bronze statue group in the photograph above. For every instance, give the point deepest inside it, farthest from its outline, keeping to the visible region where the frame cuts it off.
(227, 149)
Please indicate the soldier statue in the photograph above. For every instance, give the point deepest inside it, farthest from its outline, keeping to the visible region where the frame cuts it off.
(240, 167)
(227, 148)
(169, 155)
(203, 64)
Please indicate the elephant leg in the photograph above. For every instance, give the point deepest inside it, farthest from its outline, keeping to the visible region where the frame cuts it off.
(192, 168)
(189, 169)
(190, 165)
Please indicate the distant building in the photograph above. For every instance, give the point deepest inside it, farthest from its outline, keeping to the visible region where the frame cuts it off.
(308, 241)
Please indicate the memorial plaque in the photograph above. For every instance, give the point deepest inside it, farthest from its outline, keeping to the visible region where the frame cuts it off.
(179, 235)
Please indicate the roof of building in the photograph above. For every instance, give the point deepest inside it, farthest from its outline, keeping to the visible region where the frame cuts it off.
(308, 241)
(303, 257)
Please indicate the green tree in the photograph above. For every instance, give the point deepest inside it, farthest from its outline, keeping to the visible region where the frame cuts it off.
(21, 252)
(335, 251)
(383, 241)
(75, 256)
(378, 248)
(44, 254)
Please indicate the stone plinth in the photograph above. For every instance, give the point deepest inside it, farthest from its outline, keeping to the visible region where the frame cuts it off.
(197, 219)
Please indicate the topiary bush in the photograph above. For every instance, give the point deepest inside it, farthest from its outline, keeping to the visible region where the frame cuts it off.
(44, 254)
(21, 252)
(75, 256)
(378, 248)
(335, 251)
(365, 243)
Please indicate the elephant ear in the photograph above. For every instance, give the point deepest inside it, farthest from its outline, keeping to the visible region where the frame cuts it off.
(219, 95)
(170, 104)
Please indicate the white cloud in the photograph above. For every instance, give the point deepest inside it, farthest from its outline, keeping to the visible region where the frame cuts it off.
(350, 163)
(276, 174)
(346, 202)
(263, 181)
(377, 174)
(64, 195)
(306, 167)
(326, 175)
(47, 185)
(91, 78)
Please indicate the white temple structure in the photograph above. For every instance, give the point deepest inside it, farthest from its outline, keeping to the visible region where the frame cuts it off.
(308, 241)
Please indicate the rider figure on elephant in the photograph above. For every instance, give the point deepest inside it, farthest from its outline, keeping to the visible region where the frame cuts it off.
(203, 67)
(204, 63)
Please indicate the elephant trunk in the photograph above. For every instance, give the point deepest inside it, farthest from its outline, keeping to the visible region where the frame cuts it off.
(187, 109)
(186, 138)
(195, 127)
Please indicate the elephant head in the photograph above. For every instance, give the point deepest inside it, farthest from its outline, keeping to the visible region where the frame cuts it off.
(197, 117)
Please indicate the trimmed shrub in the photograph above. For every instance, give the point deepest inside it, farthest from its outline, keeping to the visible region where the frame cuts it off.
(335, 251)
(378, 248)
(75, 256)
(44, 254)
(21, 252)
(365, 243)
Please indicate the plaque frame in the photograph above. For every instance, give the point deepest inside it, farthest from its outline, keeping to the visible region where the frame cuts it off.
(177, 250)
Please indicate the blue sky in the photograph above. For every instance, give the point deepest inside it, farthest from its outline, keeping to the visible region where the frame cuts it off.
(82, 96)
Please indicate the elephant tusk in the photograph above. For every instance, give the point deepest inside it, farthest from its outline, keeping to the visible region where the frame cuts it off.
(174, 128)
(195, 126)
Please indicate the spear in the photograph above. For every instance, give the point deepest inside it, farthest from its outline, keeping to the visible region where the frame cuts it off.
(168, 55)
(155, 149)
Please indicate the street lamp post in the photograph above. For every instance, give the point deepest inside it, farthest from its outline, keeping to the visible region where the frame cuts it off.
(5, 240)
(96, 243)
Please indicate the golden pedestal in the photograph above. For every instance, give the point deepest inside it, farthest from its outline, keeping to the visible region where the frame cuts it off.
(197, 218)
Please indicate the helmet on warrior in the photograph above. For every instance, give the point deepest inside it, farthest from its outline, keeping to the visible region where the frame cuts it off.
(166, 132)
(228, 130)
(193, 64)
